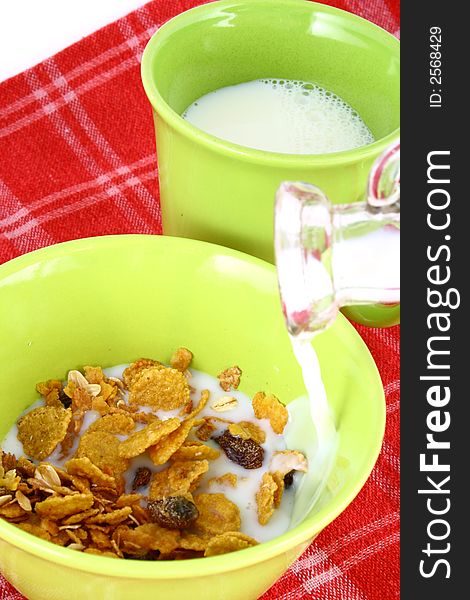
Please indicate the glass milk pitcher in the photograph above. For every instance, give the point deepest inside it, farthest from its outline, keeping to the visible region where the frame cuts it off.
(331, 256)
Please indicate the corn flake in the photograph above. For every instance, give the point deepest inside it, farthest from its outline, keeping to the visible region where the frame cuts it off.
(116, 423)
(128, 500)
(102, 449)
(178, 478)
(229, 542)
(7, 462)
(139, 441)
(94, 374)
(100, 539)
(205, 394)
(160, 485)
(267, 406)
(181, 359)
(81, 484)
(164, 389)
(9, 481)
(192, 541)
(195, 451)
(134, 370)
(230, 378)
(169, 444)
(185, 475)
(100, 405)
(278, 479)
(83, 467)
(41, 430)
(110, 390)
(111, 518)
(247, 430)
(205, 431)
(81, 400)
(265, 498)
(46, 387)
(226, 479)
(57, 507)
(217, 514)
(150, 536)
(80, 517)
(35, 530)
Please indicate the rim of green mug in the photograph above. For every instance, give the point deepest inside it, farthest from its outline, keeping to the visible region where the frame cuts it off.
(242, 152)
(196, 567)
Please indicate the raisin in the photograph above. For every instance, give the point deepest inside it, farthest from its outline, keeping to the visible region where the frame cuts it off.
(289, 479)
(141, 477)
(65, 400)
(246, 453)
(173, 512)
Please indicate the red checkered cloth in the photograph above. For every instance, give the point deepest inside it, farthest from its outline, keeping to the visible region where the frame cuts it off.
(78, 159)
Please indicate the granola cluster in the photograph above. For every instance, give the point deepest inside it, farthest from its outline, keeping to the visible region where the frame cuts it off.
(83, 504)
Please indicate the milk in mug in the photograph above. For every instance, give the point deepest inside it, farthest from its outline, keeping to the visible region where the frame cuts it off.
(280, 115)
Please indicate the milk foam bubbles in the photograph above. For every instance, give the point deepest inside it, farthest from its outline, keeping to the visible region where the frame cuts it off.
(280, 115)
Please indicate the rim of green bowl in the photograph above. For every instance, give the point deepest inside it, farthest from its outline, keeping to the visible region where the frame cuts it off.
(252, 155)
(196, 567)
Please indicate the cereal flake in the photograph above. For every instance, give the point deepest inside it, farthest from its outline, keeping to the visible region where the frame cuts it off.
(139, 441)
(181, 359)
(42, 429)
(267, 406)
(265, 498)
(161, 452)
(57, 507)
(164, 389)
(229, 542)
(217, 514)
(230, 378)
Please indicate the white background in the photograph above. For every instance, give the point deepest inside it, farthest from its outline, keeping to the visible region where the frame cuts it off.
(32, 30)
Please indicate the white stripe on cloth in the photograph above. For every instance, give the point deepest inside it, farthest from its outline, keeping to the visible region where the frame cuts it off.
(84, 67)
(373, 11)
(108, 153)
(40, 237)
(392, 386)
(322, 554)
(40, 203)
(380, 480)
(390, 456)
(338, 570)
(53, 106)
(74, 206)
(87, 160)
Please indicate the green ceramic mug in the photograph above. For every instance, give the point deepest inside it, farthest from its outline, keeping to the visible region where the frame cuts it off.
(224, 193)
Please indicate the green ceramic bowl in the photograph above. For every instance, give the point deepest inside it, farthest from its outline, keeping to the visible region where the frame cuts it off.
(109, 300)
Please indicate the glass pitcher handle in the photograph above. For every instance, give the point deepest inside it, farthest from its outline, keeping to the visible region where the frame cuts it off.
(383, 187)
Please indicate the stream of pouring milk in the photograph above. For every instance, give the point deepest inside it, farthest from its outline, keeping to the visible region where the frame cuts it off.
(321, 455)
